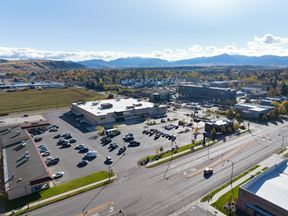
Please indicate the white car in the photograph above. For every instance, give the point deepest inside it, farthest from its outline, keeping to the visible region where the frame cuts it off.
(46, 153)
(57, 175)
(91, 154)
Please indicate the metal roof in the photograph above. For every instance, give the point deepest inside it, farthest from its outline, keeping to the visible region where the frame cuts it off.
(272, 185)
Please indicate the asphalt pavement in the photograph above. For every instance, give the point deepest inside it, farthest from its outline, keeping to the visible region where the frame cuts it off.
(141, 191)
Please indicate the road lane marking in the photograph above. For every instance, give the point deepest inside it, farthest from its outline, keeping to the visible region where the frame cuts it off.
(98, 208)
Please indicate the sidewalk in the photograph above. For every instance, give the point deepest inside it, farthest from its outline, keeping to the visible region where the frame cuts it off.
(59, 196)
(195, 149)
(269, 162)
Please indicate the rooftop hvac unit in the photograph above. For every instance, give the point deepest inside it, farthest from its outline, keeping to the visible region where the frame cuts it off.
(130, 107)
(106, 105)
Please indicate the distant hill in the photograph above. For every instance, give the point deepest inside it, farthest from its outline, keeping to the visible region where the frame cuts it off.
(223, 59)
(125, 62)
(37, 65)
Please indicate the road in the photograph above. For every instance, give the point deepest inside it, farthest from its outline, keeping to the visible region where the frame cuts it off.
(141, 191)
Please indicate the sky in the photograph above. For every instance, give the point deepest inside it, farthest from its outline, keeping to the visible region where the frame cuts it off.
(167, 29)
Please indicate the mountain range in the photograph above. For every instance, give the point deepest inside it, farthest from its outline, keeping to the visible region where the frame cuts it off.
(138, 62)
(224, 59)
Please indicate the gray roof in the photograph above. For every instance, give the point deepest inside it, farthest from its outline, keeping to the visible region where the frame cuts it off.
(23, 164)
(205, 86)
(271, 185)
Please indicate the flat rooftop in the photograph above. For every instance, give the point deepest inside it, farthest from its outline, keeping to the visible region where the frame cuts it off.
(206, 86)
(255, 107)
(22, 162)
(271, 185)
(118, 105)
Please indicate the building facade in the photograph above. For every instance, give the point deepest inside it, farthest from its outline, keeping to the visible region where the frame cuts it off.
(252, 111)
(117, 110)
(266, 194)
(207, 93)
(24, 170)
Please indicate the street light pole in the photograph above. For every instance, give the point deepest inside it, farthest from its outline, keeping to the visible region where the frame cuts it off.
(282, 144)
(109, 172)
(231, 178)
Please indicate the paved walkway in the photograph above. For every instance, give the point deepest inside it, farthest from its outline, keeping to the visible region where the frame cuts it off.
(207, 207)
(62, 195)
(269, 162)
(189, 150)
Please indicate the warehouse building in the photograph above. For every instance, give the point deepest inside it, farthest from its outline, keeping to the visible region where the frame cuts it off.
(207, 93)
(266, 194)
(24, 171)
(252, 111)
(117, 110)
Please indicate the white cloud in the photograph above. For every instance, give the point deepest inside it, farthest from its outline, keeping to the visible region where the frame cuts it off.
(269, 39)
(267, 44)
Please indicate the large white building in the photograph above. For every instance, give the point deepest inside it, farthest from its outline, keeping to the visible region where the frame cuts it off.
(266, 194)
(117, 110)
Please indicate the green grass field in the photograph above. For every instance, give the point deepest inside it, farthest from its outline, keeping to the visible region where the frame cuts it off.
(43, 99)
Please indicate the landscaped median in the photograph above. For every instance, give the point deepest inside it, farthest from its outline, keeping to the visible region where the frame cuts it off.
(155, 160)
(163, 157)
(59, 192)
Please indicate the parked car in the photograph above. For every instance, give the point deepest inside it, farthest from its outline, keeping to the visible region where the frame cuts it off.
(42, 150)
(53, 129)
(60, 141)
(83, 150)
(52, 162)
(128, 137)
(105, 140)
(134, 144)
(78, 147)
(91, 154)
(73, 140)
(44, 154)
(113, 146)
(54, 126)
(112, 132)
(58, 175)
(67, 135)
(49, 158)
(108, 160)
(121, 150)
(57, 136)
(41, 146)
(37, 139)
(83, 163)
(66, 144)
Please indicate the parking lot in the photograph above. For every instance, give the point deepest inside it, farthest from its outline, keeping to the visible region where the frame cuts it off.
(69, 157)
